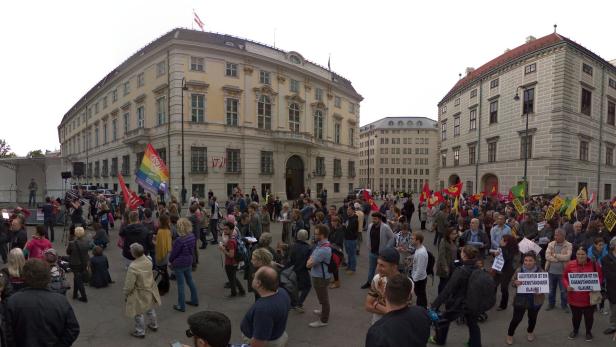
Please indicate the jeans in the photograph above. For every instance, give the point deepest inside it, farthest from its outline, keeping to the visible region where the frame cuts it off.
(214, 229)
(231, 270)
(32, 198)
(372, 266)
(576, 317)
(140, 321)
(350, 246)
(420, 292)
(49, 230)
(181, 274)
(320, 287)
(556, 281)
(78, 286)
(518, 314)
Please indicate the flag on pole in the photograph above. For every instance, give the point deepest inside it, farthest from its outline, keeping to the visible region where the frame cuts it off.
(591, 199)
(198, 20)
(583, 196)
(369, 199)
(329, 59)
(456, 204)
(454, 190)
(571, 207)
(519, 191)
(436, 198)
(425, 193)
(130, 197)
(153, 172)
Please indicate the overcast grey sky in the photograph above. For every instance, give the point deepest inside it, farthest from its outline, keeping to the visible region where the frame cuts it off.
(402, 56)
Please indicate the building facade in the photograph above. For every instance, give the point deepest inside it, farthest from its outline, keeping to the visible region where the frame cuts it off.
(234, 112)
(400, 152)
(565, 92)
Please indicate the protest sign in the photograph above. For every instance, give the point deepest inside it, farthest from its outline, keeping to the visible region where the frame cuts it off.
(499, 262)
(518, 206)
(550, 213)
(527, 245)
(610, 220)
(584, 281)
(533, 282)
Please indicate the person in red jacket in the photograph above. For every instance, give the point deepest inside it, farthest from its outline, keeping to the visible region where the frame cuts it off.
(36, 247)
(580, 300)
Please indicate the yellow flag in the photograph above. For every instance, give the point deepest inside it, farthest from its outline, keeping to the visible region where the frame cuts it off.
(583, 197)
(456, 204)
(571, 207)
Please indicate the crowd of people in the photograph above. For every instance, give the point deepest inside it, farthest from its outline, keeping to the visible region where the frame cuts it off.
(160, 243)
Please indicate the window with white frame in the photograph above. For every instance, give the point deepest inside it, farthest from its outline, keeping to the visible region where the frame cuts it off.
(161, 68)
(294, 86)
(456, 126)
(231, 70)
(233, 160)
(198, 159)
(126, 87)
(267, 162)
(320, 166)
(105, 138)
(264, 77)
(444, 130)
(126, 122)
(337, 167)
(232, 106)
(294, 120)
(337, 130)
(114, 129)
(530, 68)
(337, 102)
(318, 94)
(161, 111)
(473, 119)
(318, 124)
(264, 112)
(140, 79)
(197, 108)
(351, 136)
(197, 63)
(140, 116)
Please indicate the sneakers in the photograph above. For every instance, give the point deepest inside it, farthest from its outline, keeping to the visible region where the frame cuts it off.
(317, 324)
(137, 335)
(588, 337)
(298, 309)
(572, 335)
(153, 328)
(334, 285)
(509, 340)
(530, 337)
(178, 308)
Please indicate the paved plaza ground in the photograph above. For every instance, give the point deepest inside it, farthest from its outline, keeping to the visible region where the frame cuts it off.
(103, 322)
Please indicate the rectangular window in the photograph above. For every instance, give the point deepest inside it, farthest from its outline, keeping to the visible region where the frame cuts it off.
(140, 80)
(318, 124)
(318, 94)
(530, 68)
(264, 77)
(351, 108)
(230, 187)
(294, 86)
(607, 192)
(97, 169)
(529, 101)
(337, 167)
(197, 108)
(443, 160)
(96, 136)
(196, 63)
(198, 189)
(105, 137)
(611, 113)
(351, 137)
(472, 154)
(104, 102)
(494, 83)
(231, 70)
(456, 126)
(96, 108)
(336, 187)
(524, 140)
(473, 93)
(444, 130)
(198, 159)
(233, 160)
(161, 111)
(456, 156)
(494, 112)
(162, 153)
(140, 117)
(138, 160)
(114, 95)
(232, 111)
(267, 162)
(126, 165)
(337, 102)
(351, 168)
(126, 87)
(337, 133)
(161, 68)
(491, 152)
(587, 69)
(473, 119)
(126, 122)
(114, 167)
(584, 150)
(586, 102)
(114, 129)
(456, 102)
(609, 156)
(612, 83)
(320, 166)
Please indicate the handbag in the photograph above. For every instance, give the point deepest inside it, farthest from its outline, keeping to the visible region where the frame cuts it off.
(596, 297)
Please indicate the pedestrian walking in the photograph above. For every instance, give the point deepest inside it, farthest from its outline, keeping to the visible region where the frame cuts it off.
(181, 259)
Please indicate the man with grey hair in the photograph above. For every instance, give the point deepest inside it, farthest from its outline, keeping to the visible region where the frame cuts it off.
(141, 292)
(557, 255)
(609, 273)
(578, 237)
(476, 237)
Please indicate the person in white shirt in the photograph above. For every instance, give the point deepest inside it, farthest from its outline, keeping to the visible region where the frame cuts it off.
(419, 273)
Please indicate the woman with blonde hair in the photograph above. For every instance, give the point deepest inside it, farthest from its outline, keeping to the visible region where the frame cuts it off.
(181, 259)
(260, 257)
(14, 270)
(79, 260)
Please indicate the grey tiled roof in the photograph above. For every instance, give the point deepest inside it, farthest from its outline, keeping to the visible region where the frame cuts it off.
(401, 123)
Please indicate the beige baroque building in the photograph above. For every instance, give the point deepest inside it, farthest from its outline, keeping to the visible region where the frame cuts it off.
(400, 152)
(253, 115)
(568, 95)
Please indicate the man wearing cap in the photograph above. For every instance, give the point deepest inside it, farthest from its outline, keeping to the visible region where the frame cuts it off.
(380, 237)
(387, 266)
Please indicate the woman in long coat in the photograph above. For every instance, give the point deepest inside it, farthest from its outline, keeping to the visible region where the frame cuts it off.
(141, 292)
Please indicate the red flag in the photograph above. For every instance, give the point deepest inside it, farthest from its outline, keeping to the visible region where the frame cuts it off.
(494, 190)
(369, 199)
(436, 198)
(454, 191)
(130, 198)
(198, 20)
(425, 194)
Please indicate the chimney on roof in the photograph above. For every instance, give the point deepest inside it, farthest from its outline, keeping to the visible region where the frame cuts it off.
(530, 38)
(469, 70)
(507, 50)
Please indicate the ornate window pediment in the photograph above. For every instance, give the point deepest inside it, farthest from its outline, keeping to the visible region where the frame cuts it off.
(265, 90)
(229, 90)
(294, 98)
(319, 105)
(197, 86)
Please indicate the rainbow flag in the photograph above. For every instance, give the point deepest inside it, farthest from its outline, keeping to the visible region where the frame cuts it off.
(152, 171)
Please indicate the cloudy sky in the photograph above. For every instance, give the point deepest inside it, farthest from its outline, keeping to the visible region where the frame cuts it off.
(402, 56)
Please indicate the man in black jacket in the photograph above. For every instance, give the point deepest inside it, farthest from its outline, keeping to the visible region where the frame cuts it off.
(135, 232)
(36, 316)
(18, 234)
(350, 240)
(393, 328)
(454, 295)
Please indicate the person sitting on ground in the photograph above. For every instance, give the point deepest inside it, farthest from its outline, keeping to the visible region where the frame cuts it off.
(100, 269)
(101, 236)
(58, 283)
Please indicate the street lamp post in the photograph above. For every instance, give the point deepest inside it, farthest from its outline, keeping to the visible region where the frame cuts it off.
(525, 110)
(183, 177)
(368, 184)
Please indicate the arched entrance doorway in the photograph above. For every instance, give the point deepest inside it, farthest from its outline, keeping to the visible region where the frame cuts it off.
(454, 179)
(489, 183)
(294, 177)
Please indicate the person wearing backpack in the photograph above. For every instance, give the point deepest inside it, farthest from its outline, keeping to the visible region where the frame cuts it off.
(420, 268)
(230, 250)
(319, 264)
(469, 292)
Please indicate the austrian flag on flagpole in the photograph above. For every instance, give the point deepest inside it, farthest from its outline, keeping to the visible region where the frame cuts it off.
(198, 20)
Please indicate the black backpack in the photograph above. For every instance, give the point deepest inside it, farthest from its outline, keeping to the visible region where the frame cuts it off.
(480, 291)
(431, 262)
